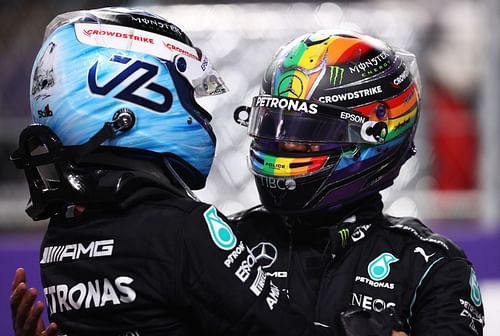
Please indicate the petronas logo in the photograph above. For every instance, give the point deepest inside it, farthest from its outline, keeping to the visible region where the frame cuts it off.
(344, 236)
(380, 267)
(221, 233)
(475, 293)
(336, 75)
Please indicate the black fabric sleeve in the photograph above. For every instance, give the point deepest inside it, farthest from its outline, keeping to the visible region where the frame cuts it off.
(227, 291)
(448, 301)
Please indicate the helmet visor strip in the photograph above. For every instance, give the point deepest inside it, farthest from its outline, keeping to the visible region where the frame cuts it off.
(296, 120)
(265, 164)
(189, 61)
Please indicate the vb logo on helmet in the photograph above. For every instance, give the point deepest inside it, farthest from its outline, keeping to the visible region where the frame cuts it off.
(128, 93)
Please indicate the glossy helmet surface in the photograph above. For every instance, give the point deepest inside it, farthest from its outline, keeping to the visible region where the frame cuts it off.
(334, 121)
(95, 63)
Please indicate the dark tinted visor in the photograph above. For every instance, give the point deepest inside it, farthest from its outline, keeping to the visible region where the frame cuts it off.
(296, 120)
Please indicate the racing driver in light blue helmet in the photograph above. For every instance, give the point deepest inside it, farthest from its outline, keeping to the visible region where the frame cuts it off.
(117, 144)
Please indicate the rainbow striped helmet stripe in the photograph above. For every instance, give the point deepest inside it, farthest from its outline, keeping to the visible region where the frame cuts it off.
(270, 165)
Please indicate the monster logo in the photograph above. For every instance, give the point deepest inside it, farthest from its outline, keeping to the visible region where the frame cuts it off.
(344, 236)
(336, 75)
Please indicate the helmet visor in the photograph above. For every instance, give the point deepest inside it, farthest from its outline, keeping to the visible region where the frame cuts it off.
(296, 120)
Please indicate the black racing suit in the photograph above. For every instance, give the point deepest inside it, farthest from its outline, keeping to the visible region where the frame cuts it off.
(158, 264)
(333, 261)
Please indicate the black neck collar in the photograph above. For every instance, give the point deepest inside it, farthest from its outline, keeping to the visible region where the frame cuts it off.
(337, 230)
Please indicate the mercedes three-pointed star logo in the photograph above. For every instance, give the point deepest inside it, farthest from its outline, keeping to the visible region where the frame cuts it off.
(292, 84)
(265, 253)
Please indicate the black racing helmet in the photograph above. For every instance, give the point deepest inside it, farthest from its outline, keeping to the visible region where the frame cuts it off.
(334, 121)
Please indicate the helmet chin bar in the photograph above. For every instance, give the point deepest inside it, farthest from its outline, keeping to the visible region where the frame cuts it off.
(52, 176)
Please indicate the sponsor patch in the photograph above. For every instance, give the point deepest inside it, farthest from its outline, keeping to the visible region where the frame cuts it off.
(379, 268)
(90, 294)
(421, 251)
(469, 311)
(475, 293)
(260, 281)
(244, 270)
(375, 284)
(285, 104)
(273, 296)
(234, 255)
(93, 249)
(348, 96)
(360, 232)
(221, 233)
(370, 303)
(265, 253)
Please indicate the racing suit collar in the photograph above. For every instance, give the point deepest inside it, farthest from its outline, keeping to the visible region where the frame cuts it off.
(332, 231)
(329, 233)
(123, 189)
(360, 211)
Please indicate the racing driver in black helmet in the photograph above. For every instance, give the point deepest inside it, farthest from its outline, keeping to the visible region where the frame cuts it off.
(333, 124)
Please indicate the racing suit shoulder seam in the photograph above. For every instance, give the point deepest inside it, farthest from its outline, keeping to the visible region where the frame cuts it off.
(247, 212)
(186, 206)
(413, 227)
(421, 280)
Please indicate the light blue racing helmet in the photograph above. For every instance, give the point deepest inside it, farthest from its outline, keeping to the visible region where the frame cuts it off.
(97, 67)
